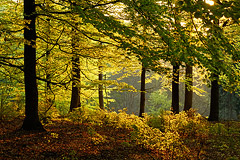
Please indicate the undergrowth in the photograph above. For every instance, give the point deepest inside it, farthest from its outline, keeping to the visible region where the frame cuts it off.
(171, 136)
(97, 134)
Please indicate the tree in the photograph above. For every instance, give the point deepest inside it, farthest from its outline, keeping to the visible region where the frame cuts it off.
(75, 97)
(175, 89)
(49, 97)
(188, 88)
(142, 92)
(31, 121)
(100, 88)
(219, 53)
(214, 104)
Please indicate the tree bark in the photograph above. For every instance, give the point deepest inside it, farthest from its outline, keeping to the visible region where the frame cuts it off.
(75, 97)
(175, 89)
(143, 92)
(188, 88)
(214, 104)
(100, 89)
(31, 121)
(48, 91)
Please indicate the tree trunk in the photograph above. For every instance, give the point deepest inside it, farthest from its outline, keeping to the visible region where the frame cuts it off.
(142, 96)
(175, 89)
(48, 91)
(31, 121)
(214, 104)
(100, 89)
(75, 98)
(188, 88)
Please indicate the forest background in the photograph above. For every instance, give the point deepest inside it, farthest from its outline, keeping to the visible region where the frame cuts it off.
(92, 53)
(86, 61)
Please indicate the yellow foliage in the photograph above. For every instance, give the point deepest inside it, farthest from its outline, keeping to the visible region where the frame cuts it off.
(98, 138)
(170, 143)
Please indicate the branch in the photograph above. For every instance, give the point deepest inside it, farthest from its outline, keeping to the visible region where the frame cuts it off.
(11, 65)
(22, 69)
(199, 36)
(54, 44)
(98, 5)
(55, 12)
(11, 57)
(54, 83)
(73, 26)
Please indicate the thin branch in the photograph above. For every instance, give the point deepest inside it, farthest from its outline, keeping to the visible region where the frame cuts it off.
(54, 83)
(54, 44)
(11, 58)
(11, 65)
(73, 26)
(199, 36)
(98, 5)
(55, 12)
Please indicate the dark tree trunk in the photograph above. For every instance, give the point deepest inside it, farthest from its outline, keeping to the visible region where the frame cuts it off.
(75, 98)
(188, 88)
(175, 89)
(214, 104)
(143, 92)
(100, 89)
(31, 121)
(50, 100)
(48, 91)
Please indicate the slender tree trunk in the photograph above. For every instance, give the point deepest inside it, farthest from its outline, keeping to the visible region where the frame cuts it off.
(100, 89)
(175, 89)
(49, 101)
(188, 88)
(31, 121)
(143, 90)
(214, 104)
(75, 97)
(48, 90)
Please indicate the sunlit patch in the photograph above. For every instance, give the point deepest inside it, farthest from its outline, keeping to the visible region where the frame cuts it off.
(210, 2)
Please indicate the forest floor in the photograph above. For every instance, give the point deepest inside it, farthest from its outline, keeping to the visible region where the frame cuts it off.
(68, 140)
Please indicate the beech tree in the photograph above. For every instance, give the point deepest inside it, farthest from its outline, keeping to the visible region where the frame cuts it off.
(215, 46)
(75, 97)
(142, 92)
(175, 89)
(188, 88)
(100, 88)
(214, 103)
(31, 121)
